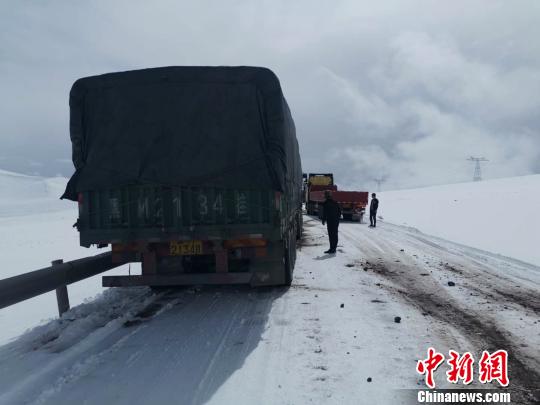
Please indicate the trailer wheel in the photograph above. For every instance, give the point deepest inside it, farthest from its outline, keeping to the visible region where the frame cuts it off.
(293, 251)
(287, 263)
(299, 226)
(289, 256)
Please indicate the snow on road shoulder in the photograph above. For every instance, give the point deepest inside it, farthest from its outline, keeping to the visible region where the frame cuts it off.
(50, 356)
(500, 216)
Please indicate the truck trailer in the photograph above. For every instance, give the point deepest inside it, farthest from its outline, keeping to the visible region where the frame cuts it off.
(193, 171)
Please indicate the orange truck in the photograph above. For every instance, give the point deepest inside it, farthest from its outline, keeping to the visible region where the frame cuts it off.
(316, 182)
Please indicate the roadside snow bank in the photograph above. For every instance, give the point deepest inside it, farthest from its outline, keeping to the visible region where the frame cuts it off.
(501, 216)
(59, 334)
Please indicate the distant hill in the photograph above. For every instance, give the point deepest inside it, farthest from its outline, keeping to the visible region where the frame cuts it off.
(21, 194)
(501, 216)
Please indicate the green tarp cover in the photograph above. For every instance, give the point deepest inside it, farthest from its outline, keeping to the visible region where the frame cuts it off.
(210, 126)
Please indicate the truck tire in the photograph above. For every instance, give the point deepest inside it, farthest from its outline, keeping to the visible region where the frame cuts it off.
(347, 217)
(290, 256)
(299, 226)
(293, 251)
(287, 263)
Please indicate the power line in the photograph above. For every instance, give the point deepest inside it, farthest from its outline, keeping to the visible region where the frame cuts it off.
(477, 176)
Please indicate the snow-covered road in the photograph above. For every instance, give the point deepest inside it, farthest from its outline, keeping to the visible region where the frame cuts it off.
(331, 338)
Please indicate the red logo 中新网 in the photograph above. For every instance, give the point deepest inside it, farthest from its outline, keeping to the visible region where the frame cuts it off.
(491, 367)
(494, 367)
(461, 367)
(429, 365)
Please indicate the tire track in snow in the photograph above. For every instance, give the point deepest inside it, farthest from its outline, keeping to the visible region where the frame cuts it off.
(242, 315)
(479, 330)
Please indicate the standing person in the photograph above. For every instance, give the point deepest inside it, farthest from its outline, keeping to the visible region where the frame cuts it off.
(331, 215)
(373, 210)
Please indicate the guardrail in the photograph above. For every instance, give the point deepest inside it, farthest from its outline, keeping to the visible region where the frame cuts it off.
(56, 277)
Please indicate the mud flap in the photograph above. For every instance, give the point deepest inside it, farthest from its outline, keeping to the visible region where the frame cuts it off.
(299, 226)
(269, 271)
(267, 274)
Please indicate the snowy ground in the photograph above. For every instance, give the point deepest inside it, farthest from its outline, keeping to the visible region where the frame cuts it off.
(295, 346)
(317, 342)
(500, 216)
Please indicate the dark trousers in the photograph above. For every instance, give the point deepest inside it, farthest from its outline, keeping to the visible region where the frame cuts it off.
(373, 218)
(332, 234)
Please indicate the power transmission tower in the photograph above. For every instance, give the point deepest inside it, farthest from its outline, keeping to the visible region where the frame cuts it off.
(477, 169)
(379, 181)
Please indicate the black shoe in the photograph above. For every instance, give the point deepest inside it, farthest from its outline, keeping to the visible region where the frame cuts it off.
(328, 251)
(332, 252)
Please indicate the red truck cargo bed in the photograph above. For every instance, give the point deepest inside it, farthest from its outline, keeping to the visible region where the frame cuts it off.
(352, 203)
(342, 196)
(314, 188)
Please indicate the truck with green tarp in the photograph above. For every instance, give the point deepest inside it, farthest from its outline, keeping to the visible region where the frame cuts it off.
(193, 171)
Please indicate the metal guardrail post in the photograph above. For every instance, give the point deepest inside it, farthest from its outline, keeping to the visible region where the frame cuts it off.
(24, 286)
(62, 297)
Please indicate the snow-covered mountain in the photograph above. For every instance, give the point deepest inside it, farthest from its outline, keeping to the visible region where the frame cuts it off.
(501, 216)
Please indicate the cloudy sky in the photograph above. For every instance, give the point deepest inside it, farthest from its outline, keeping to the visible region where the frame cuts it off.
(402, 90)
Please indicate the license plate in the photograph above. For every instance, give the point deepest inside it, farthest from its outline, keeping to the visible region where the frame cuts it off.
(185, 248)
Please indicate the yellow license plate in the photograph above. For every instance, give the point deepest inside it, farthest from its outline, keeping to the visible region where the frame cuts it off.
(190, 247)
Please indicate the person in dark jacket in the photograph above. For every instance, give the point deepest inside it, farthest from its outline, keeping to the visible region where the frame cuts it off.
(331, 215)
(373, 210)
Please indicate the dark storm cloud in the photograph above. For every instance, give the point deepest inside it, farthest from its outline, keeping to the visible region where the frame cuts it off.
(404, 89)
